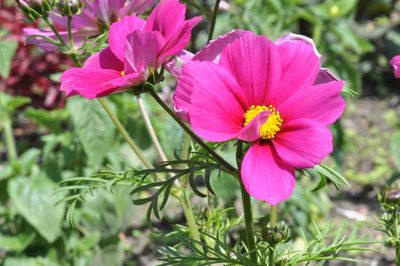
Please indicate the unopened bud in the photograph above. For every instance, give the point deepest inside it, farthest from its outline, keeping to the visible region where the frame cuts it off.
(70, 7)
(35, 8)
(277, 234)
(392, 197)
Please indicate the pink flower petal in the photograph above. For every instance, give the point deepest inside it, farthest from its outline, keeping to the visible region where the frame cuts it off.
(251, 132)
(126, 81)
(303, 143)
(119, 32)
(88, 82)
(167, 18)
(253, 60)
(179, 41)
(324, 76)
(321, 102)
(395, 62)
(216, 102)
(135, 7)
(104, 59)
(174, 66)
(212, 51)
(265, 176)
(142, 49)
(300, 64)
(107, 10)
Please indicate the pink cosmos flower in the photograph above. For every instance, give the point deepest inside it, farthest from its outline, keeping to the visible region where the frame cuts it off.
(89, 22)
(272, 95)
(135, 45)
(395, 62)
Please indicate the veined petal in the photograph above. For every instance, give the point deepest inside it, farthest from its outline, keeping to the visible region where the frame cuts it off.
(325, 76)
(321, 102)
(135, 7)
(254, 62)
(214, 100)
(265, 176)
(300, 64)
(142, 49)
(104, 59)
(303, 143)
(118, 33)
(167, 18)
(213, 50)
(107, 10)
(395, 62)
(89, 82)
(126, 81)
(178, 42)
(174, 66)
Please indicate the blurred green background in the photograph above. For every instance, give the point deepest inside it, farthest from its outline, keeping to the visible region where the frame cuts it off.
(56, 139)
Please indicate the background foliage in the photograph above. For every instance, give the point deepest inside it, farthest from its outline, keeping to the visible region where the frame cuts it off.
(56, 141)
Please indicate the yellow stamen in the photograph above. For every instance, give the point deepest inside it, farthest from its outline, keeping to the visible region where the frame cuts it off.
(122, 73)
(273, 124)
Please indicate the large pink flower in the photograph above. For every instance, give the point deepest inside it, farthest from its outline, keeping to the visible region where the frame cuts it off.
(135, 46)
(272, 95)
(395, 62)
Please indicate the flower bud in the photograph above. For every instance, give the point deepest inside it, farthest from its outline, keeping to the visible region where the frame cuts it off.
(35, 8)
(392, 197)
(70, 7)
(277, 234)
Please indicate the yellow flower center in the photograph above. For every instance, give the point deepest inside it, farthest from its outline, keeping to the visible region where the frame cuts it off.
(122, 73)
(273, 124)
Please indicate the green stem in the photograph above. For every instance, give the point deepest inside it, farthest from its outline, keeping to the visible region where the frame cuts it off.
(215, 155)
(70, 38)
(213, 20)
(272, 222)
(9, 139)
(190, 220)
(246, 202)
(396, 235)
(125, 134)
(272, 219)
(61, 40)
(150, 129)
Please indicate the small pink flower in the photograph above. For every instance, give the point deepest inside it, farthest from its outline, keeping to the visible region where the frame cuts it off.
(135, 45)
(272, 95)
(395, 62)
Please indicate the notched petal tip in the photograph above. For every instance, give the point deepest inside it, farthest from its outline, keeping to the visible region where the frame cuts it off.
(290, 37)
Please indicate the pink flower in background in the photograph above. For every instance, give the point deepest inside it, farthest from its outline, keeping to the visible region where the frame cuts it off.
(395, 62)
(271, 95)
(96, 15)
(135, 45)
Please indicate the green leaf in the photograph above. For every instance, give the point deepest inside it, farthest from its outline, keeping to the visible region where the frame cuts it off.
(39, 261)
(11, 103)
(327, 172)
(322, 183)
(88, 241)
(16, 243)
(94, 128)
(35, 200)
(7, 51)
(48, 119)
(28, 159)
